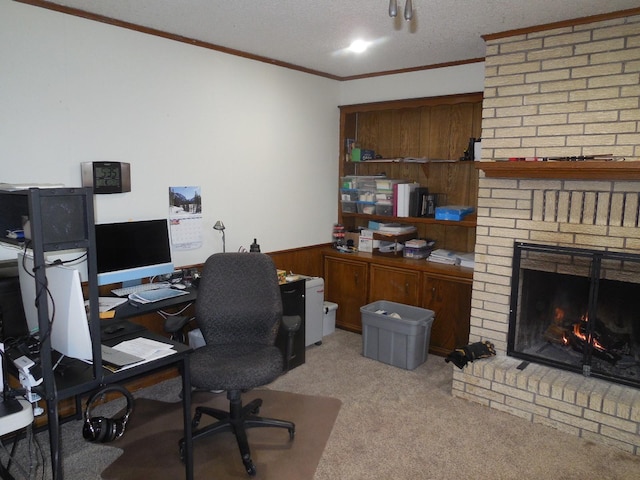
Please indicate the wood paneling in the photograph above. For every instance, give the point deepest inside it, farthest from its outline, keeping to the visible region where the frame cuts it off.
(303, 261)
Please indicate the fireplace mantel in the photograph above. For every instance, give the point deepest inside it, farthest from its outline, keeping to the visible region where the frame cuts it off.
(579, 170)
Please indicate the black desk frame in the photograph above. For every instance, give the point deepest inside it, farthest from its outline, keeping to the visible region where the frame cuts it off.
(75, 385)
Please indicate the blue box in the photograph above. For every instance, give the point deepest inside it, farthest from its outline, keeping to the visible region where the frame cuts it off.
(453, 212)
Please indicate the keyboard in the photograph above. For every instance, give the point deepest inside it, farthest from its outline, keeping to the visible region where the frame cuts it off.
(143, 287)
(157, 295)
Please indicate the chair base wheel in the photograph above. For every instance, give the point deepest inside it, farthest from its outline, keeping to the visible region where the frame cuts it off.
(249, 466)
(181, 449)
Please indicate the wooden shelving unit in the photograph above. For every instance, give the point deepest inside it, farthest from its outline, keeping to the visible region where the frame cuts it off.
(402, 132)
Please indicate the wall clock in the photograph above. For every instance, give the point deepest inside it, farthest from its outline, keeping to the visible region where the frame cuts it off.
(107, 177)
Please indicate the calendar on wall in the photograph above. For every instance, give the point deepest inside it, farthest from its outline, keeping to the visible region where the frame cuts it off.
(185, 217)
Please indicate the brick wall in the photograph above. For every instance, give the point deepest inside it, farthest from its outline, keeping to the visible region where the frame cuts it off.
(567, 91)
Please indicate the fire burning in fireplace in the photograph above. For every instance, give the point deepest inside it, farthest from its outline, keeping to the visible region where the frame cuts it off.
(578, 337)
(587, 320)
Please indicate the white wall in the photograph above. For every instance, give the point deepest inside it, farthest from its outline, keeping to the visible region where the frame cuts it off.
(261, 141)
(466, 78)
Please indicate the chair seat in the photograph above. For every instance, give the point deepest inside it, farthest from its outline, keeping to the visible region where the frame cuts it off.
(235, 366)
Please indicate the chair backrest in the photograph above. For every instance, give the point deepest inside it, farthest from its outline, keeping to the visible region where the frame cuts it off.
(239, 299)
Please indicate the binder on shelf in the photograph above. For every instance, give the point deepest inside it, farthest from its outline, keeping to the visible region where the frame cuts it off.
(418, 202)
(404, 195)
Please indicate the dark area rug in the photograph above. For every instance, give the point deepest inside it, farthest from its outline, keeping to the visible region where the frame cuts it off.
(150, 443)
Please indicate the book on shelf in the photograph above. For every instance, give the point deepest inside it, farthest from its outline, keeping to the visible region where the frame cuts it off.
(418, 202)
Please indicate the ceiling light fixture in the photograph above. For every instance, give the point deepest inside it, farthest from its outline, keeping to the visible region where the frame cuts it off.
(359, 46)
(408, 9)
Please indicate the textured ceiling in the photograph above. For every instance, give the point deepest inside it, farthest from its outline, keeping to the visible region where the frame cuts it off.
(313, 34)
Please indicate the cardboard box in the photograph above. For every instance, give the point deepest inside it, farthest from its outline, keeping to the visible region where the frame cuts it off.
(367, 243)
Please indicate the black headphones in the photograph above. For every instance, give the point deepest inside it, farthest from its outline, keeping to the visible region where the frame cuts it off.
(101, 429)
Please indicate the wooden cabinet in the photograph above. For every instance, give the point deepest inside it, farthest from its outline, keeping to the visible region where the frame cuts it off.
(394, 284)
(346, 283)
(450, 300)
(353, 280)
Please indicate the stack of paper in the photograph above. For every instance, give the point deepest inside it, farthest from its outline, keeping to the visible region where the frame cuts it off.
(467, 259)
(395, 228)
(144, 348)
(444, 256)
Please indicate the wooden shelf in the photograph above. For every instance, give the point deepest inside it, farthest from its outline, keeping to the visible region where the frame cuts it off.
(469, 221)
(579, 170)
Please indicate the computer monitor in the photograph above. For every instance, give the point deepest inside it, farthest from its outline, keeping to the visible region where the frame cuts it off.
(70, 333)
(130, 251)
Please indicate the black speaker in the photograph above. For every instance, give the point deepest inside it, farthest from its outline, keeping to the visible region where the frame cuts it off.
(102, 429)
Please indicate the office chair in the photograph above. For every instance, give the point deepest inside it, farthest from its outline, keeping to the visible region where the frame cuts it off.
(239, 311)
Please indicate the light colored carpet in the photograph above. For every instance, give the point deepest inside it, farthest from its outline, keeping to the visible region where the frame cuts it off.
(405, 425)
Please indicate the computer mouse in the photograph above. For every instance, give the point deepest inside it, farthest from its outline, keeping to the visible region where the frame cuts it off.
(113, 329)
(179, 286)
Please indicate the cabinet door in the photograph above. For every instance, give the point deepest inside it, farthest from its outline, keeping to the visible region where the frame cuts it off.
(451, 302)
(395, 285)
(346, 284)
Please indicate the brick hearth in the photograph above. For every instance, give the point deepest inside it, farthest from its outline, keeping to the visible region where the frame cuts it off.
(565, 91)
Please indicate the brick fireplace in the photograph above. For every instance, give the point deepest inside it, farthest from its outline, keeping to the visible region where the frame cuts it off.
(568, 89)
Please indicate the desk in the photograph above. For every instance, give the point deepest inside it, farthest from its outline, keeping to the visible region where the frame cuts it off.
(76, 379)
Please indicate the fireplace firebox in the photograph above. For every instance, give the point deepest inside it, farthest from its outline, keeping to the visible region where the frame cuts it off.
(576, 309)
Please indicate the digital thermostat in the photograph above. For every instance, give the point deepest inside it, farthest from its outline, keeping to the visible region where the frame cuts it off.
(107, 177)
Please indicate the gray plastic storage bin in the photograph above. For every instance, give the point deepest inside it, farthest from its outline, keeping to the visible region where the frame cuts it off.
(401, 342)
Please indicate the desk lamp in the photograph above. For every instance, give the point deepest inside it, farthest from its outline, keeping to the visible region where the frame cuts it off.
(220, 227)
